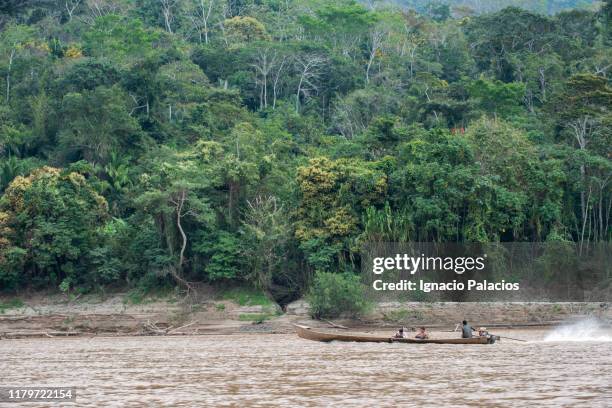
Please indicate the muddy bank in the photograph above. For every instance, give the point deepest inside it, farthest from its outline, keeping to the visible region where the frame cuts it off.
(53, 316)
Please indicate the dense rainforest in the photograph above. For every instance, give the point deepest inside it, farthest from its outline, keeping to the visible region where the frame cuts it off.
(149, 143)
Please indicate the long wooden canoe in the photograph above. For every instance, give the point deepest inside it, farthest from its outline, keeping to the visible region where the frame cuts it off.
(306, 332)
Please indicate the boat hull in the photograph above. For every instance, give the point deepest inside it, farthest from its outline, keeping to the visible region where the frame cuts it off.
(318, 335)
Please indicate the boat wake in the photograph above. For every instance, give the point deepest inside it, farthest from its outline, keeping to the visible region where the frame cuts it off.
(584, 330)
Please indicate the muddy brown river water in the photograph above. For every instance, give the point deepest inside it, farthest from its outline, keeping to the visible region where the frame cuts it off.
(284, 370)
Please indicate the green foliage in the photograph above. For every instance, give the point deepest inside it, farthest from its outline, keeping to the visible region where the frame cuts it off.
(142, 294)
(332, 194)
(11, 267)
(96, 123)
(499, 147)
(333, 295)
(338, 21)
(14, 303)
(266, 235)
(246, 296)
(559, 255)
(256, 318)
(53, 219)
(226, 261)
(497, 97)
(120, 39)
(135, 297)
(244, 29)
(88, 74)
(386, 225)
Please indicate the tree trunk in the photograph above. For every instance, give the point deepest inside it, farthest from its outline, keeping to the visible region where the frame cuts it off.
(179, 211)
(167, 12)
(584, 221)
(275, 85)
(580, 128)
(176, 273)
(205, 17)
(70, 8)
(265, 90)
(8, 76)
(370, 61)
(297, 99)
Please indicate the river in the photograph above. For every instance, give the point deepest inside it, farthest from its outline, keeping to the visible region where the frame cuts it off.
(262, 370)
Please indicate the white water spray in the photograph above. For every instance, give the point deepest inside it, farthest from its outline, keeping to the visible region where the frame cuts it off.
(584, 330)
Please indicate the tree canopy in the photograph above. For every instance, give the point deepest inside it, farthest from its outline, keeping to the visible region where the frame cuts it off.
(147, 143)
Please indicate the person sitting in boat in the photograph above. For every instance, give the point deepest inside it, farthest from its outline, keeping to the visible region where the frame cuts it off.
(401, 334)
(482, 331)
(466, 331)
(422, 334)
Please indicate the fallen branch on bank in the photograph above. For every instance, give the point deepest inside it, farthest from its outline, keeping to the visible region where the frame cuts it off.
(152, 329)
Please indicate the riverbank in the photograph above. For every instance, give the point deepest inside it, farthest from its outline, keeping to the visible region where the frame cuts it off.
(55, 315)
(44, 315)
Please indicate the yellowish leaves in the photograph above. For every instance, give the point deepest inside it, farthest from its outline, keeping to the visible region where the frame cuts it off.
(342, 223)
(333, 192)
(305, 232)
(318, 177)
(73, 51)
(14, 192)
(244, 29)
(209, 150)
(44, 172)
(379, 190)
(76, 179)
(34, 47)
(5, 232)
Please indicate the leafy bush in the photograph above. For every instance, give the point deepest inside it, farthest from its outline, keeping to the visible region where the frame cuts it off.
(246, 296)
(11, 304)
(257, 318)
(333, 294)
(61, 211)
(11, 266)
(223, 252)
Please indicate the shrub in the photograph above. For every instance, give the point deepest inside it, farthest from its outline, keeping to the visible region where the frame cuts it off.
(11, 304)
(11, 266)
(246, 296)
(224, 253)
(61, 211)
(334, 294)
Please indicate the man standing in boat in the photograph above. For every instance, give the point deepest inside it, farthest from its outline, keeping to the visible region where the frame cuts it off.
(466, 331)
